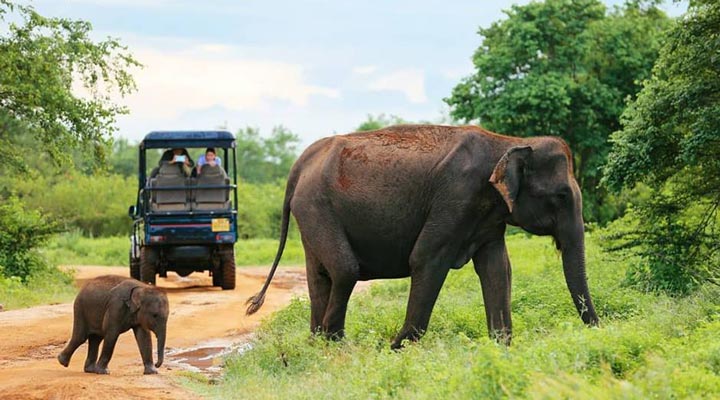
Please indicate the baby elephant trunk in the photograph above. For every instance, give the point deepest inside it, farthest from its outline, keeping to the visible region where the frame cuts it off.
(160, 334)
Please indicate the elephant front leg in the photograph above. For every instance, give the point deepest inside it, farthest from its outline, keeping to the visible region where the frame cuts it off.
(425, 285)
(144, 342)
(492, 265)
(108, 348)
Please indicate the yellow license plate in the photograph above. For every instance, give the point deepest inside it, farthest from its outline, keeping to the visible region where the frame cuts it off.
(220, 225)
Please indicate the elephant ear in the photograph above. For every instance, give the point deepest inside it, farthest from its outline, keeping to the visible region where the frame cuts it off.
(133, 302)
(507, 174)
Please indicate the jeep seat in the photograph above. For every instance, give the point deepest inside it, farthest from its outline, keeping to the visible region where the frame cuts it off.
(169, 175)
(212, 199)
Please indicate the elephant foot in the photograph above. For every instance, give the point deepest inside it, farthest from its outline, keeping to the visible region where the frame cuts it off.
(101, 371)
(90, 369)
(412, 336)
(335, 336)
(150, 370)
(63, 360)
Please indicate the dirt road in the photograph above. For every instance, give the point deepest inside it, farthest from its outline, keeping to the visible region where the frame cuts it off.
(204, 324)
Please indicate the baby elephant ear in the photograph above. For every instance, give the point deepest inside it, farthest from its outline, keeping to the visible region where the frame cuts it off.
(133, 302)
(507, 174)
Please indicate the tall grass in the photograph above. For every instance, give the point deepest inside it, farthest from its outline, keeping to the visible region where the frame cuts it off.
(648, 345)
(75, 249)
(46, 287)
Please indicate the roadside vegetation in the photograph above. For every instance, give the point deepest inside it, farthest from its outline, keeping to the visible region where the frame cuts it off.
(649, 345)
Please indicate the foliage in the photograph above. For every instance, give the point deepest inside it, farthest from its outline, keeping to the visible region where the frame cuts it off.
(263, 160)
(670, 139)
(378, 122)
(563, 68)
(23, 231)
(44, 61)
(649, 346)
(123, 159)
(94, 204)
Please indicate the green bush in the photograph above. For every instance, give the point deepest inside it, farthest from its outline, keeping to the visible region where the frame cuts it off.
(94, 204)
(22, 231)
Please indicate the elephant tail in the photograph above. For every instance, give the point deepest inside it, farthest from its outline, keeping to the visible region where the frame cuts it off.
(255, 302)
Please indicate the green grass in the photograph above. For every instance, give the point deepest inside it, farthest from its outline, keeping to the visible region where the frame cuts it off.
(648, 345)
(48, 287)
(75, 249)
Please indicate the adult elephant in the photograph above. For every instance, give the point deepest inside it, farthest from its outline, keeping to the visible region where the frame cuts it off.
(418, 200)
(110, 305)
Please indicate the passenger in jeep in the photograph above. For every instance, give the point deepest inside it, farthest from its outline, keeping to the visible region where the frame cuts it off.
(178, 156)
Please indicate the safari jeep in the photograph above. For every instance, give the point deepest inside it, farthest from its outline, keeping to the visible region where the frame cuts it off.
(183, 223)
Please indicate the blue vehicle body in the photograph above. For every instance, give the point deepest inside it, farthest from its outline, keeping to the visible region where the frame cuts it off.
(186, 239)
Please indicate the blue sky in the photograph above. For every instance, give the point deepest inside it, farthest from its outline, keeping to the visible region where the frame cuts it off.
(318, 67)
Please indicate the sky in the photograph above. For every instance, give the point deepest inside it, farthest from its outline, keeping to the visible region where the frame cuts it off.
(317, 67)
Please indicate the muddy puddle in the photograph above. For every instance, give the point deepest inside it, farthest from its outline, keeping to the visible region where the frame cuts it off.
(207, 358)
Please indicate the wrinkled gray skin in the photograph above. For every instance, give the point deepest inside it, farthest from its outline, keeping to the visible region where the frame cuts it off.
(418, 201)
(110, 305)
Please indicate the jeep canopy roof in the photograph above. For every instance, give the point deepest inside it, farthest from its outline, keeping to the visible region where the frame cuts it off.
(174, 139)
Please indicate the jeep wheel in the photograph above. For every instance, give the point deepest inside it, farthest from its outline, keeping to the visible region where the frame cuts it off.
(134, 267)
(227, 259)
(217, 277)
(148, 259)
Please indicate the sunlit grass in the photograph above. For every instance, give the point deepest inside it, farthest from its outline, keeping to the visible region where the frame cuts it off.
(648, 345)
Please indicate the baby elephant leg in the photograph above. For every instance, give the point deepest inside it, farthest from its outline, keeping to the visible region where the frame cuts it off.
(144, 342)
(92, 355)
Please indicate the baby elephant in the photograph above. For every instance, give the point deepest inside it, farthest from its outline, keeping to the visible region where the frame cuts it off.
(110, 305)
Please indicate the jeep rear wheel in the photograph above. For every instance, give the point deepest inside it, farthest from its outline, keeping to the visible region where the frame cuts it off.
(134, 267)
(227, 259)
(148, 259)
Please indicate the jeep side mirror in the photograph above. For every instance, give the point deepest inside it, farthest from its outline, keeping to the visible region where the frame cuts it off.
(131, 211)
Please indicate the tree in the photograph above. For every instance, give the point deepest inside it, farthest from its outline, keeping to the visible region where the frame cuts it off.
(562, 68)
(670, 140)
(43, 61)
(263, 160)
(373, 123)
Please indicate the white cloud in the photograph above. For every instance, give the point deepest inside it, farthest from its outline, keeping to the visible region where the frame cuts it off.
(410, 81)
(201, 76)
(364, 69)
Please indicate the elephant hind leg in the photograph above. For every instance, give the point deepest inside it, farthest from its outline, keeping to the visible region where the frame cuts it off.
(332, 273)
(319, 285)
(79, 336)
(92, 355)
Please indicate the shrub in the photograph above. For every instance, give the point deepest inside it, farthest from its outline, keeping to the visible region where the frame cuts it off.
(22, 232)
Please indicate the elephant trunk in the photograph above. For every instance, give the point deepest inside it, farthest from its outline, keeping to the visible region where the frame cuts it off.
(573, 256)
(160, 334)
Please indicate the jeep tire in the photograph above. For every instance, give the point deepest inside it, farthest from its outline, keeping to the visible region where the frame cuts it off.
(148, 261)
(134, 267)
(227, 265)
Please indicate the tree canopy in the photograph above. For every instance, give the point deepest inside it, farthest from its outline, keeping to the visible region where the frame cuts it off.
(45, 64)
(670, 140)
(262, 160)
(562, 68)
